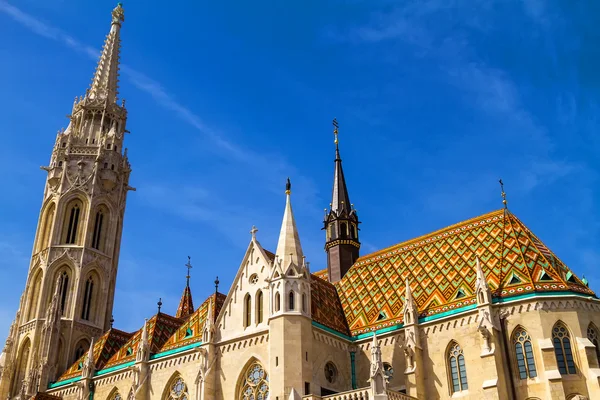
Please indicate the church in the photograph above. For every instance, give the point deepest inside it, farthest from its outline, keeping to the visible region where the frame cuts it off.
(478, 310)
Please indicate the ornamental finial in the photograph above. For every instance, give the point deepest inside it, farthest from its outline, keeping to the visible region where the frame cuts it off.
(503, 194)
(118, 14)
(288, 187)
(335, 132)
(188, 266)
(159, 304)
(217, 285)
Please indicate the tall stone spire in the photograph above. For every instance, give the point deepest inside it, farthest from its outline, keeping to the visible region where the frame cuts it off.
(289, 249)
(105, 83)
(340, 223)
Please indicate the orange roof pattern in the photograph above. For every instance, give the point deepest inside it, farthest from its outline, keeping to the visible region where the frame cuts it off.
(191, 330)
(326, 308)
(160, 328)
(441, 270)
(104, 348)
(186, 305)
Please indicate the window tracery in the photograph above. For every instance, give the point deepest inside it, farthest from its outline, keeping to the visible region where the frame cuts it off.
(330, 372)
(524, 354)
(562, 349)
(592, 334)
(458, 370)
(255, 384)
(178, 390)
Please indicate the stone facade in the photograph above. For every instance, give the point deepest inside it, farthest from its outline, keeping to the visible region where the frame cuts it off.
(479, 310)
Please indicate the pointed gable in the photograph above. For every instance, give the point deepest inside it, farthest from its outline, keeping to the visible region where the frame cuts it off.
(192, 329)
(160, 328)
(255, 269)
(289, 249)
(186, 305)
(441, 267)
(104, 349)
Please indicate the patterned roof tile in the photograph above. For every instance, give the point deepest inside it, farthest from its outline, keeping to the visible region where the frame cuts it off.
(104, 348)
(441, 270)
(326, 307)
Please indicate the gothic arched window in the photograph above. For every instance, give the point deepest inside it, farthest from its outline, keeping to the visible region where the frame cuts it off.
(562, 349)
(247, 310)
(353, 231)
(21, 366)
(63, 291)
(291, 299)
(98, 234)
(592, 334)
(343, 230)
(304, 303)
(34, 296)
(87, 299)
(46, 228)
(277, 302)
(255, 384)
(458, 370)
(178, 390)
(524, 354)
(259, 307)
(331, 372)
(72, 222)
(116, 396)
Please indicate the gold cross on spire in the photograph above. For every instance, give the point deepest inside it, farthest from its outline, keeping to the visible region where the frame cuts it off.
(503, 194)
(189, 266)
(335, 131)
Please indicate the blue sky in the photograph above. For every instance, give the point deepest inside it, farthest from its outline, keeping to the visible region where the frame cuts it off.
(436, 101)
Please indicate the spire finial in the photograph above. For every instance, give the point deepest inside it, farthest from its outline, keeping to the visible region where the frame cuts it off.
(159, 304)
(335, 132)
(188, 266)
(288, 187)
(112, 321)
(503, 194)
(253, 232)
(217, 284)
(118, 14)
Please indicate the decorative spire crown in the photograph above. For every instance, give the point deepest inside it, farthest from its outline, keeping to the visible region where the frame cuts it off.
(288, 247)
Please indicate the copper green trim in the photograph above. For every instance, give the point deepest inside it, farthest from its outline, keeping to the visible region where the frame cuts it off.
(378, 331)
(63, 383)
(115, 368)
(332, 331)
(175, 351)
(353, 367)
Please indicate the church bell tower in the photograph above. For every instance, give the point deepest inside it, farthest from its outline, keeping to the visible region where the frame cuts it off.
(340, 223)
(68, 297)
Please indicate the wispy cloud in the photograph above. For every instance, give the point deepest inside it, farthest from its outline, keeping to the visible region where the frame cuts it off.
(272, 168)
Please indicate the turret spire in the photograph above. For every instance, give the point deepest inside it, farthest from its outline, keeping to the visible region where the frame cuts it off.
(341, 222)
(186, 305)
(105, 83)
(289, 249)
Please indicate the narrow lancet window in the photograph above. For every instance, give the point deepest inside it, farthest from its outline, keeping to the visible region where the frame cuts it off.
(97, 235)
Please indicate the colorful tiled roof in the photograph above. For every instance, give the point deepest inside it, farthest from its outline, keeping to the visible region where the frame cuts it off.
(45, 396)
(160, 328)
(104, 348)
(326, 308)
(186, 305)
(322, 274)
(441, 270)
(191, 330)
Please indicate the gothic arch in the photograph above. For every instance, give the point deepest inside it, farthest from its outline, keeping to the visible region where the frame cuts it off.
(45, 226)
(593, 334)
(562, 340)
(91, 288)
(176, 388)
(73, 217)
(67, 278)
(253, 380)
(260, 306)
(114, 395)
(456, 367)
(33, 299)
(21, 366)
(99, 227)
(81, 348)
(522, 354)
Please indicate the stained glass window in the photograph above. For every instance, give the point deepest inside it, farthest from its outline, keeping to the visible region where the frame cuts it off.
(592, 334)
(524, 354)
(116, 396)
(179, 390)
(256, 383)
(458, 370)
(562, 349)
